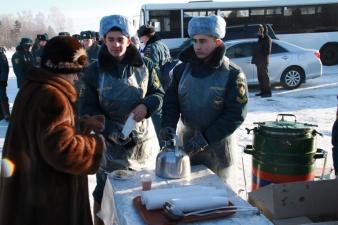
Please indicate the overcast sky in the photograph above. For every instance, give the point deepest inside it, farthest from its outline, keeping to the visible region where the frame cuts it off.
(84, 14)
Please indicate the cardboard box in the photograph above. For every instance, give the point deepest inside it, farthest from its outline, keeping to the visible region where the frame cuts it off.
(316, 200)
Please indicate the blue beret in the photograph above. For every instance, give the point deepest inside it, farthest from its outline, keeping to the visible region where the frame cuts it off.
(121, 22)
(207, 25)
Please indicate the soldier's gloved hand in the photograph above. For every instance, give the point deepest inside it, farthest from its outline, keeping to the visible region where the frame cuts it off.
(195, 145)
(167, 133)
(118, 138)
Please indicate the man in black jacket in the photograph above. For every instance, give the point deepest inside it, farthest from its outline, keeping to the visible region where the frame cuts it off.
(4, 70)
(261, 59)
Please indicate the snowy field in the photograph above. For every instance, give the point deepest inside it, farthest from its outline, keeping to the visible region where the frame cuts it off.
(314, 102)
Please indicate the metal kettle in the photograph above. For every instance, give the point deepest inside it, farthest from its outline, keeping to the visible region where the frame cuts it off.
(172, 162)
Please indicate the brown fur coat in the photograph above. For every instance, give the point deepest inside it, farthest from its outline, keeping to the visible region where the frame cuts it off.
(49, 185)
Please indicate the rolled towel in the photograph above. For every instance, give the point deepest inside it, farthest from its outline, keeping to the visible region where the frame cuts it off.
(157, 200)
(169, 191)
(193, 203)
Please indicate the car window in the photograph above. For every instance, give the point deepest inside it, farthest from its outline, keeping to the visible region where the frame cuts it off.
(240, 50)
(246, 31)
(276, 48)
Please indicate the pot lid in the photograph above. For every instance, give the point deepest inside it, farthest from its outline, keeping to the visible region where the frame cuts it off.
(290, 125)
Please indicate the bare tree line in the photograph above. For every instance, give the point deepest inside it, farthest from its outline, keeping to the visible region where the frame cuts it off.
(27, 24)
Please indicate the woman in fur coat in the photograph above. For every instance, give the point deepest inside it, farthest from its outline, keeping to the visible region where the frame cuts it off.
(50, 161)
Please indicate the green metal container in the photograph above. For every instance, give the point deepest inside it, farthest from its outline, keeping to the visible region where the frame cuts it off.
(283, 151)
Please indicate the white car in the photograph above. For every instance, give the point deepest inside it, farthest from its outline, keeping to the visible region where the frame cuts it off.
(289, 64)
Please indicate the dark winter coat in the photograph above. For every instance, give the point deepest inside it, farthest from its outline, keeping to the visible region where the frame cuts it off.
(37, 53)
(158, 53)
(22, 61)
(4, 68)
(49, 184)
(93, 52)
(262, 50)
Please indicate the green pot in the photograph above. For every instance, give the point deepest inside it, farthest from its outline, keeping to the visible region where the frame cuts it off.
(283, 151)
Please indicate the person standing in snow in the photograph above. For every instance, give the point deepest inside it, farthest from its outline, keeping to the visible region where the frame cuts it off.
(261, 59)
(37, 49)
(159, 54)
(4, 70)
(89, 43)
(51, 160)
(22, 60)
(119, 84)
(209, 94)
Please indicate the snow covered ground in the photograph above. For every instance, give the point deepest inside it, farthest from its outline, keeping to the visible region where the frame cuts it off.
(314, 102)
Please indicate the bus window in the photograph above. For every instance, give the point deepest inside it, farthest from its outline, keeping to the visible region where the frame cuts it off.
(167, 22)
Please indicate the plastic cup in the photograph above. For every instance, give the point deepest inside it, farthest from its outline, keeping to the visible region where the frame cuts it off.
(146, 182)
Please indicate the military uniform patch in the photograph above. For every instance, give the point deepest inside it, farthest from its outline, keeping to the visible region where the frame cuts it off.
(241, 88)
(157, 82)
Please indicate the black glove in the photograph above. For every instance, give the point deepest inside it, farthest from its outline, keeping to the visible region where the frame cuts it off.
(167, 133)
(195, 145)
(117, 138)
(3, 83)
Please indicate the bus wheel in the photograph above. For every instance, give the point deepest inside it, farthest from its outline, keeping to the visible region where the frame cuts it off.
(292, 77)
(329, 53)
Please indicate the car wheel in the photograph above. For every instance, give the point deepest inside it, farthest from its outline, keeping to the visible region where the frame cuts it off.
(292, 77)
(329, 54)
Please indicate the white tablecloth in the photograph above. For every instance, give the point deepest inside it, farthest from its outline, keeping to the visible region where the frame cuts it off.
(117, 203)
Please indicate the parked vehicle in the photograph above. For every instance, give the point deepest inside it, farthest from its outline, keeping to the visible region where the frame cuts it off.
(306, 23)
(289, 65)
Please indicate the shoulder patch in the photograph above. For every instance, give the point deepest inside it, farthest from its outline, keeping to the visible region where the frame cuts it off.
(241, 89)
(157, 82)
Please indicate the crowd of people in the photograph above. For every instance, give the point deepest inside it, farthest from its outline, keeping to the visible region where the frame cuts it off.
(76, 92)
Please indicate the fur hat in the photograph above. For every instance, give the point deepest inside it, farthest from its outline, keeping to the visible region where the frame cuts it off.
(77, 36)
(64, 33)
(207, 25)
(26, 42)
(86, 35)
(118, 21)
(42, 37)
(64, 54)
(145, 30)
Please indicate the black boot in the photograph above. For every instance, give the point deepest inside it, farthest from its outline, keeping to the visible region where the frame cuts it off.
(259, 94)
(5, 110)
(266, 95)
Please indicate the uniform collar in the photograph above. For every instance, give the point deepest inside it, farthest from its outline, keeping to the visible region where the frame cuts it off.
(214, 61)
